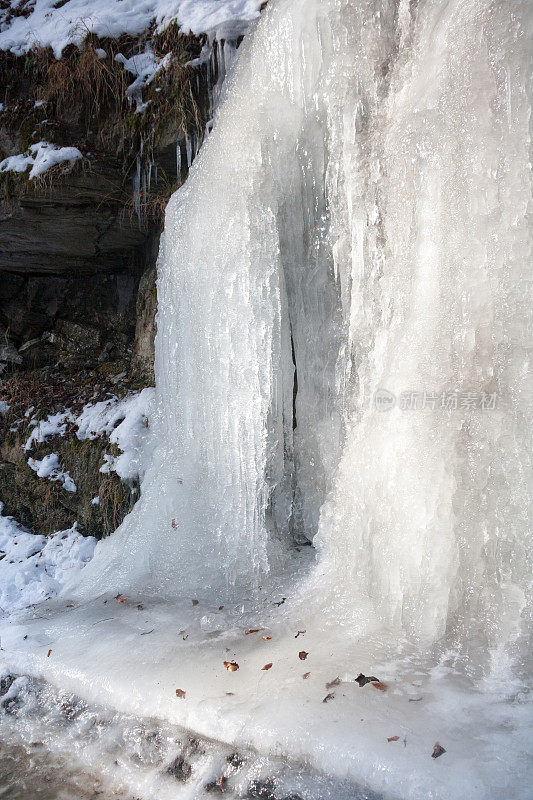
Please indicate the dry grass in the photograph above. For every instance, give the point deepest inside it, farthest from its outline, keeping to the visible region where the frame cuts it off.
(83, 86)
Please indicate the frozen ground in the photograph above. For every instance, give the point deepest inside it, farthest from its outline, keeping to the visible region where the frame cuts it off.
(133, 654)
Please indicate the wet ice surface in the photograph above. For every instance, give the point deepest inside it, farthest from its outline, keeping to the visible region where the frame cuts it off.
(33, 773)
(54, 746)
(277, 715)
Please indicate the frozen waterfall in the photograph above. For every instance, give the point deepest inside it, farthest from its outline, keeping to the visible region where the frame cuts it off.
(356, 223)
(340, 359)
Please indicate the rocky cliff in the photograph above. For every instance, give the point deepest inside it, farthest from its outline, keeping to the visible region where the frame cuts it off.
(96, 132)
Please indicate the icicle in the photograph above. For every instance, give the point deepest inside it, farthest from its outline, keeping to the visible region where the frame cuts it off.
(137, 189)
(178, 160)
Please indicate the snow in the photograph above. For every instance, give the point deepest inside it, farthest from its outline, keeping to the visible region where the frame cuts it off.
(40, 157)
(49, 467)
(125, 422)
(43, 565)
(144, 66)
(53, 425)
(56, 27)
(34, 567)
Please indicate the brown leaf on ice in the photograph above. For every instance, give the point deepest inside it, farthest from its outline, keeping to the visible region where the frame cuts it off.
(251, 630)
(220, 608)
(334, 682)
(380, 685)
(302, 655)
(195, 602)
(306, 675)
(182, 632)
(267, 666)
(174, 524)
(120, 599)
(438, 750)
(180, 693)
(266, 638)
(392, 738)
(328, 697)
(231, 666)
(48, 654)
(362, 680)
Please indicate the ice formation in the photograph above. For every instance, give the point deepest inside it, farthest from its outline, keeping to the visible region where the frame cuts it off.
(359, 218)
(340, 358)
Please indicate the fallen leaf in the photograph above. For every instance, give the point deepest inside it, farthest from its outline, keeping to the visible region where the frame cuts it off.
(121, 599)
(302, 655)
(392, 738)
(328, 697)
(221, 781)
(220, 608)
(195, 602)
(306, 675)
(300, 633)
(267, 666)
(334, 682)
(362, 680)
(266, 638)
(180, 693)
(231, 666)
(380, 685)
(48, 654)
(174, 524)
(251, 630)
(438, 750)
(230, 693)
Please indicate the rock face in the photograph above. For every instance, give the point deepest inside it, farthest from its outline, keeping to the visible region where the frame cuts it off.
(75, 241)
(71, 257)
(142, 362)
(74, 224)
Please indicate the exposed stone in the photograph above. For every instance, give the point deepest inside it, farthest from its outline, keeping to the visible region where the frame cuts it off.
(142, 362)
(180, 769)
(9, 353)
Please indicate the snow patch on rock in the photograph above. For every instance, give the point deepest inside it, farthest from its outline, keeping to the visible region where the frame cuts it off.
(40, 157)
